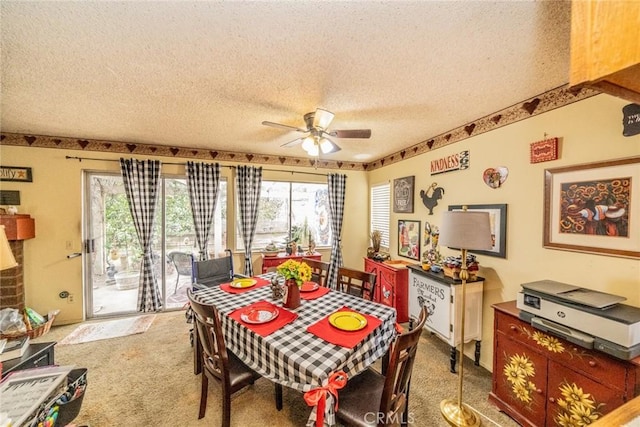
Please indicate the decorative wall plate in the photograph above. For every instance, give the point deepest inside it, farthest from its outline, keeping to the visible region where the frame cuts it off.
(495, 177)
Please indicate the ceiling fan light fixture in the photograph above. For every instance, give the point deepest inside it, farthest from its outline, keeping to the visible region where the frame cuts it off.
(327, 146)
(314, 150)
(308, 143)
(322, 118)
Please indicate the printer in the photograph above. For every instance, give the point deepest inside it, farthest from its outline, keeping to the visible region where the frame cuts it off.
(590, 319)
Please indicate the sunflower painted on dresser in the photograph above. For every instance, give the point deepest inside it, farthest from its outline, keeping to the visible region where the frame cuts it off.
(518, 372)
(577, 408)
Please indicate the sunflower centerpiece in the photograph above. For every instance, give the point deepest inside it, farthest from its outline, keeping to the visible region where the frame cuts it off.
(295, 274)
(296, 270)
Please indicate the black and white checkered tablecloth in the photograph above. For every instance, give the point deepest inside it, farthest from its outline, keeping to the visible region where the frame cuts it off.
(292, 356)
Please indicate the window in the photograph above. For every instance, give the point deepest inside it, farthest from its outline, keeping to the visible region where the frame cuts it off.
(380, 208)
(291, 210)
(179, 229)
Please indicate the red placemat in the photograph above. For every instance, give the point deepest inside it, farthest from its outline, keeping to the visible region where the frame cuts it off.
(349, 339)
(284, 318)
(260, 282)
(314, 294)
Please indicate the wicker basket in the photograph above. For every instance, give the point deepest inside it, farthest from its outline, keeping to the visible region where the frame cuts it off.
(38, 331)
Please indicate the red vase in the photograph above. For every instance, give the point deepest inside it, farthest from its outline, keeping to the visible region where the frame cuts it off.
(292, 294)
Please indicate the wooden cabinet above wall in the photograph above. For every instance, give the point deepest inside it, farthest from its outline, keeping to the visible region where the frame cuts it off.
(605, 47)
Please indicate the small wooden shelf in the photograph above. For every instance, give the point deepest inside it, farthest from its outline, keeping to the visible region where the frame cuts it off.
(18, 227)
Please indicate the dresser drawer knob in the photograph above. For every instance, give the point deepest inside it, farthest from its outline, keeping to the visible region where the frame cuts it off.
(552, 400)
(592, 363)
(513, 328)
(539, 391)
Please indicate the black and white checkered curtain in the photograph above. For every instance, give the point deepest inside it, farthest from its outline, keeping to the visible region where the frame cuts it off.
(248, 183)
(203, 180)
(337, 189)
(142, 186)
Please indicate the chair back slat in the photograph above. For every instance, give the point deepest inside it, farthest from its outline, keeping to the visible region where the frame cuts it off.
(356, 282)
(210, 337)
(319, 270)
(398, 375)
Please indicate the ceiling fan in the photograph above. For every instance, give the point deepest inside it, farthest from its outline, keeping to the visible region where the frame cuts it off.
(317, 140)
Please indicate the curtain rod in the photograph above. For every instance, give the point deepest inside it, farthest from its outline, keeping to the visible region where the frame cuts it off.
(80, 159)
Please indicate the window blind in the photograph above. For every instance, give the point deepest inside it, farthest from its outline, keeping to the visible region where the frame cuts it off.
(380, 211)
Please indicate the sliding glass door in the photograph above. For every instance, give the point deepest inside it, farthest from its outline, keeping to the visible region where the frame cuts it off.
(112, 252)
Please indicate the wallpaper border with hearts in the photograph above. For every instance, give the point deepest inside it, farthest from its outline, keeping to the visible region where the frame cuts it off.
(547, 101)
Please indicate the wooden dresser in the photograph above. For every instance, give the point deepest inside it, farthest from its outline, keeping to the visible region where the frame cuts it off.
(542, 380)
(392, 280)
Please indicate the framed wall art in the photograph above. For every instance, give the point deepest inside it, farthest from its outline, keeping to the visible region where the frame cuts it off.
(409, 239)
(498, 219)
(403, 194)
(594, 208)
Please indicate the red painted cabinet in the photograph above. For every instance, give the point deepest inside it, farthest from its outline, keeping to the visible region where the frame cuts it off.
(392, 286)
(543, 380)
(269, 261)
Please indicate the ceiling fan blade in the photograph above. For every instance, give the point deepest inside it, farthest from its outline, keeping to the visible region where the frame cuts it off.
(293, 143)
(322, 118)
(351, 133)
(281, 126)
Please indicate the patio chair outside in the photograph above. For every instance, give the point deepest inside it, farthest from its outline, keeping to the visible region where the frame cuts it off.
(183, 263)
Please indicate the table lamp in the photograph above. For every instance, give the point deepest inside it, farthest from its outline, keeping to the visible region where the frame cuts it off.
(7, 260)
(464, 230)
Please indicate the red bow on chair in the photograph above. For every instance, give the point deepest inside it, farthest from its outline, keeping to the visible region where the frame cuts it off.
(318, 396)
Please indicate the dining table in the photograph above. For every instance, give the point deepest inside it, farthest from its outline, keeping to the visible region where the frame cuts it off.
(303, 354)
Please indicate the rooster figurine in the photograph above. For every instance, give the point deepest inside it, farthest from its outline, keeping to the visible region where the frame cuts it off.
(432, 201)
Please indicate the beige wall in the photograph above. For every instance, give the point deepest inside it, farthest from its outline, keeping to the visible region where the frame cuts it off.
(54, 199)
(590, 130)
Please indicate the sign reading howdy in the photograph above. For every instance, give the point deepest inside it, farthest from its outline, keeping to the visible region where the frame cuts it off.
(450, 163)
(12, 173)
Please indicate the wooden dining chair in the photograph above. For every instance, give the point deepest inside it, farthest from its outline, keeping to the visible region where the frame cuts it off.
(319, 270)
(356, 282)
(371, 399)
(219, 364)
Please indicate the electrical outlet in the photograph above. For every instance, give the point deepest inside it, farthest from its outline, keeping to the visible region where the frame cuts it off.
(70, 298)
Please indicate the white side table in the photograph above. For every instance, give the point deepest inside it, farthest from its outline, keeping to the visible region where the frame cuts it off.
(442, 296)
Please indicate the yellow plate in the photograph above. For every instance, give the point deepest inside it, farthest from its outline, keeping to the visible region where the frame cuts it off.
(243, 283)
(348, 320)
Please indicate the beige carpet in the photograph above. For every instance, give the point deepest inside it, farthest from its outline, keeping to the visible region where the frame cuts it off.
(107, 329)
(147, 380)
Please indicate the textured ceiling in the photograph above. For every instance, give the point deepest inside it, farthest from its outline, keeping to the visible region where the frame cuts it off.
(206, 74)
